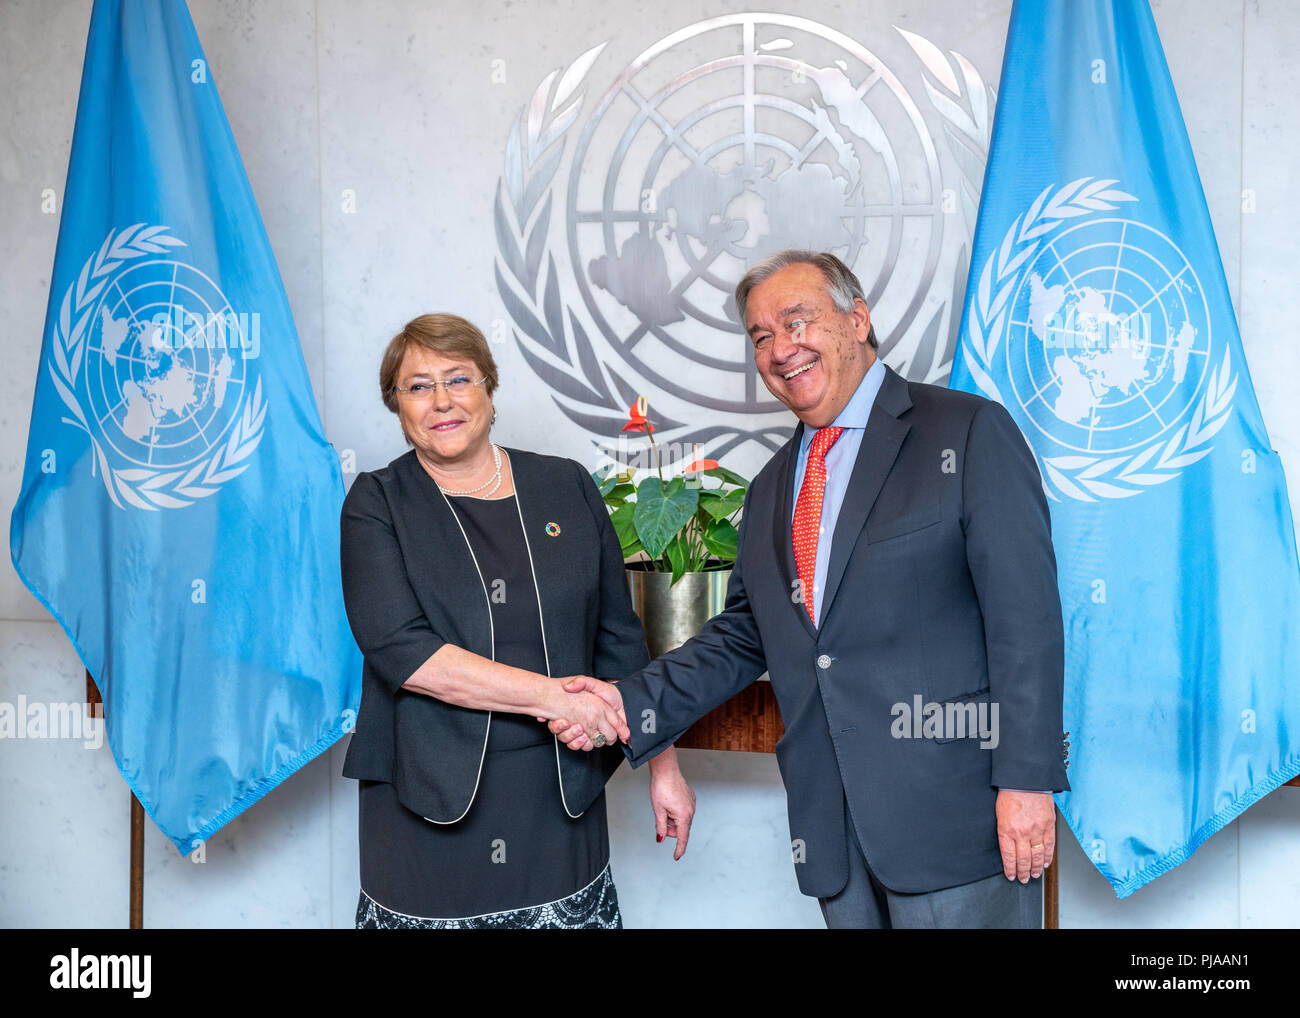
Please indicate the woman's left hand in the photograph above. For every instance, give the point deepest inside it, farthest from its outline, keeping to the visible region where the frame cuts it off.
(672, 800)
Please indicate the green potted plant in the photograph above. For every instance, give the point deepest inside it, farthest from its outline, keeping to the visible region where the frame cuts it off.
(678, 535)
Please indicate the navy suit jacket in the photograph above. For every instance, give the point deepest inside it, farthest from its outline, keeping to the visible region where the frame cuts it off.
(941, 585)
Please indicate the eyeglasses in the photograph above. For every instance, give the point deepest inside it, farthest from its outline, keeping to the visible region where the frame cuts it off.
(422, 392)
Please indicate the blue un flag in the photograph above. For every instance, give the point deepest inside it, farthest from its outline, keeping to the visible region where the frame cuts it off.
(1098, 314)
(179, 507)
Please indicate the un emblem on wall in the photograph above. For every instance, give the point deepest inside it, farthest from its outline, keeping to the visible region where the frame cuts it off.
(152, 362)
(720, 144)
(1103, 332)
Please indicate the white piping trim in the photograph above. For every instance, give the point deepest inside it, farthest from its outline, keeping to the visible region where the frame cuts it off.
(462, 918)
(492, 640)
(541, 619)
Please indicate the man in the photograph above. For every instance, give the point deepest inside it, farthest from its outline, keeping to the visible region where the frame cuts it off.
(895, 577)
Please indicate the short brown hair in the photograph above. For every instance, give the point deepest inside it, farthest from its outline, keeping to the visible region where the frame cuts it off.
(841, 284)
(444, 334)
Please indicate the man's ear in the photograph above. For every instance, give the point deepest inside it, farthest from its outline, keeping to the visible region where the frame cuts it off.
(861, 319)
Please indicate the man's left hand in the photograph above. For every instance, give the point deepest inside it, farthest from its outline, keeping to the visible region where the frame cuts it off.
(1026, 833)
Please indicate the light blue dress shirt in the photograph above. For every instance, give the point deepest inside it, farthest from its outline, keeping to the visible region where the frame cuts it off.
(839, 467)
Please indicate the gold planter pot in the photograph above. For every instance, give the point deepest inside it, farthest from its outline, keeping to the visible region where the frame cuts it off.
(672, 614)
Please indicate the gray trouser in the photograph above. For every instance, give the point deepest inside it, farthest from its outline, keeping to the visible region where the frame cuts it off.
(991, 903)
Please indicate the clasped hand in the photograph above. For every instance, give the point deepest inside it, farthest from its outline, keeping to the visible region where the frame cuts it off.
(593, 707)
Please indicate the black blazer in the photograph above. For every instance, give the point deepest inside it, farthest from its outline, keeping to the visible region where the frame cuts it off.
(941, 585)
(410, 585)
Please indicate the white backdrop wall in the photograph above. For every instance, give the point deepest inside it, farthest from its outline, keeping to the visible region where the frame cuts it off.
(374, 135)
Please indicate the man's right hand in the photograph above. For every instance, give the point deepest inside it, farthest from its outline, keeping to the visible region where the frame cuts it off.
(596, 706)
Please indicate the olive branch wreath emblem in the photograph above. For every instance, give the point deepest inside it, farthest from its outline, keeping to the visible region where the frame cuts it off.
(964, 102)
(551, 337)
(522, 217)
(141, 487)
(1084, 478)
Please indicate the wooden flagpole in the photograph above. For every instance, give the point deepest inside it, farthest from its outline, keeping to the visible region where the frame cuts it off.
(93, 699)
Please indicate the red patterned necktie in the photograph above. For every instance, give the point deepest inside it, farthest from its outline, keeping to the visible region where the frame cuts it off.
(808, 513)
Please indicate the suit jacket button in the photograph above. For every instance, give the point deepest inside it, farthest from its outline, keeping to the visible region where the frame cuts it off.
(824, 661)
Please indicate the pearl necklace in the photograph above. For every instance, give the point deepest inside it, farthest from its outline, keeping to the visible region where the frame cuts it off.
(496, 459)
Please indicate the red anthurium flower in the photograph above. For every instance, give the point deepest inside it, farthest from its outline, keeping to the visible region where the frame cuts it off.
(702, 465)
(636, 417)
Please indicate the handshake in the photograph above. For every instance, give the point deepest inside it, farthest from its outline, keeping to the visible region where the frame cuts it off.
(588, 714)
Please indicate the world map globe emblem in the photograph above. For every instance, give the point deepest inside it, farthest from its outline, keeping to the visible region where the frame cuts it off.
(727, 141)
(1108, 342)
(166, 364)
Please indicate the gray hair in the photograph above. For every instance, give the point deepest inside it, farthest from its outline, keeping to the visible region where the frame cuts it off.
(841, 284)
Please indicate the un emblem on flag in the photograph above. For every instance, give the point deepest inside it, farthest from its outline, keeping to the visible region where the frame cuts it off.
(153, 364)
(1098, 328)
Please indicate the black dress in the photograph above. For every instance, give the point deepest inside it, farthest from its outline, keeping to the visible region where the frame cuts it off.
(516, 859)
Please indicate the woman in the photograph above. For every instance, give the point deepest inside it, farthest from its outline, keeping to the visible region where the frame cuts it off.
(476, 579)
